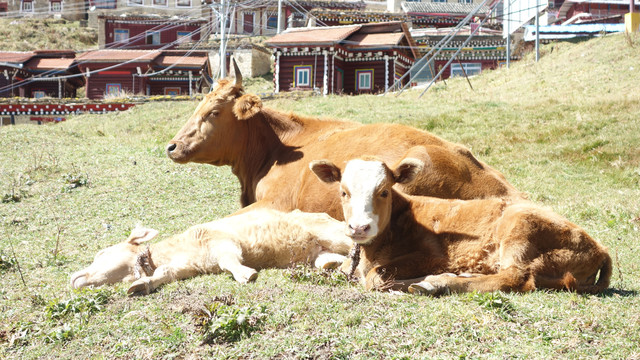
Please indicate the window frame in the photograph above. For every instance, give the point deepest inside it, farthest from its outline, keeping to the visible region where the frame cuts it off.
(364, 73)
(184, 6)
(183, 36)
(22, 4)
(303, 69)
(110, 86)
(158, 3)
(35, 93)
(51, 10)
(120, 31)
(135, 2)
(471, 69)
(166, 90)
(152, 34)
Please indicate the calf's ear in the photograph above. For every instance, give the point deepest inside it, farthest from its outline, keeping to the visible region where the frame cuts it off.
(407, 170)
(246, 106)
(325, 170)
(141, 234)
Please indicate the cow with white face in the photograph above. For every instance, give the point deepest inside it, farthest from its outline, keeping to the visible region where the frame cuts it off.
(435, 246)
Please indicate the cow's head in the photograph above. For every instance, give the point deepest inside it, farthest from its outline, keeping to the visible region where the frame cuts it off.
(116, 263)
(366, 191)
(216, 127)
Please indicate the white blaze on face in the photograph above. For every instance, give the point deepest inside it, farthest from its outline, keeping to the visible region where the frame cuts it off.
(361, 180)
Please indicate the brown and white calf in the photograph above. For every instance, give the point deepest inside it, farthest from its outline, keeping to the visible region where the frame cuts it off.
(237, 244)
(491, 244)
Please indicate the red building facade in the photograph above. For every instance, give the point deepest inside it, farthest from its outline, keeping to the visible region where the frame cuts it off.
(356, 59)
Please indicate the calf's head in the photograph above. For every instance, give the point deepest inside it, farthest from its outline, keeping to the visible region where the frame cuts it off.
(116, 263)
(366, 192)
(216, 126)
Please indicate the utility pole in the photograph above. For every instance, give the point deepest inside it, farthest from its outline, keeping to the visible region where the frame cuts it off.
(508, 18)
(280, 23)
(223, 51)
(538, 30)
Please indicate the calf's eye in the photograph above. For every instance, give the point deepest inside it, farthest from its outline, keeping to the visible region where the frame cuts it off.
(384, 193)
(343, 194)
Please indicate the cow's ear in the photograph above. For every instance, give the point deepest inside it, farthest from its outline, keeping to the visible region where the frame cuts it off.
(141, 234)
(407, 170)
(246, 106)
(325, 170)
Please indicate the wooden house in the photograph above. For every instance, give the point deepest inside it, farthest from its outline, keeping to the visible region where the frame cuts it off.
(594, 11)
(440, 14)
(485, 51)
(147, 72)
(37, 74)
(148, 32)
(354, 59)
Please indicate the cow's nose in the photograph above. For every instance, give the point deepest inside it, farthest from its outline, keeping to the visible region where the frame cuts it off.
(359, 230)
(171, 147)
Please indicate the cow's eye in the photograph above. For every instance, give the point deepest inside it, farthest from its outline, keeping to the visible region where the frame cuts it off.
(344, 194)
(384, 193)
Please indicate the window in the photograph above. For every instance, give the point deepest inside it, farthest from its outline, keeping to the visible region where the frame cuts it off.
(364, 79)
(469, 68)
(439, 1)
(104, 4)
(302, 75)
(172, 91)
(55, 6)
(113, 89)
(183, 3)
(184, 36)
(120, 35)
(465, 1)
(272, 22)
(135, 3)
(37, 94)
(159, 2)
(248, 23)
(27, 6)
(153, 37)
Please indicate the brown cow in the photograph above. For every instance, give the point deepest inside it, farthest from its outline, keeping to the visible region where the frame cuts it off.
(238, 244)
(493, 244)
(269, 152)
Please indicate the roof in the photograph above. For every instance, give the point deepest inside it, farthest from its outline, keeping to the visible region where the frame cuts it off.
(313, 36)
(373, 40)
(441, 8)
(335, 4)
(152, 18)
(50, 63)
(15, 57)
(118, 55)
(182, 61)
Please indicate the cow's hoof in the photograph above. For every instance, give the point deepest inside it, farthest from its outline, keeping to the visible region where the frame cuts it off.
(245, 276)
(428, 288)
(140, 287)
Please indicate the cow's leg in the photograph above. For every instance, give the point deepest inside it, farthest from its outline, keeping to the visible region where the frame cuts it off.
(229, 257)
(510, 279)
(162, 275)
(399, 273)
(327, 260)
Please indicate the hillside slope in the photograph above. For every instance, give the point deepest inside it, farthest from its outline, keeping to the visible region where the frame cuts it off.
(564, 130)
(45, 34)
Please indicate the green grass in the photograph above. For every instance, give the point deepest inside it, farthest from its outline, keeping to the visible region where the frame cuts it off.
(564, 130)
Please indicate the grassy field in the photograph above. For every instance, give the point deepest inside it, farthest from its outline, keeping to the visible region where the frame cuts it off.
(29, 34)
(564, 130)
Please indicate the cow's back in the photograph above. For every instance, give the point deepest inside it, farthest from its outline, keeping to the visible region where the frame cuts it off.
(453, 172)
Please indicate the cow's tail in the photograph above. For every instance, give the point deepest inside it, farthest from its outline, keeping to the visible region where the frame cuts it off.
(570, 283)
(606, 269)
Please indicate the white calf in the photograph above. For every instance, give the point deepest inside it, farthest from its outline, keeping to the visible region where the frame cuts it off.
(238, 244)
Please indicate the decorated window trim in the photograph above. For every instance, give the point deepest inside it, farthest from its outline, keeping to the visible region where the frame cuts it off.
(38, 94)
(361, 79)
(172, 91)
(182, 36)
(120, 31)
(113, 89)
(308, 69)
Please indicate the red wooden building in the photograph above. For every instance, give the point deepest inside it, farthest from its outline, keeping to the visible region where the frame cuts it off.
(147, 72)
(37, 74)
(147, 32)
(355, 59)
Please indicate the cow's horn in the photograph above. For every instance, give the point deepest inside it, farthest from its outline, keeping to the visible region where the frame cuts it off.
(238, 74)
